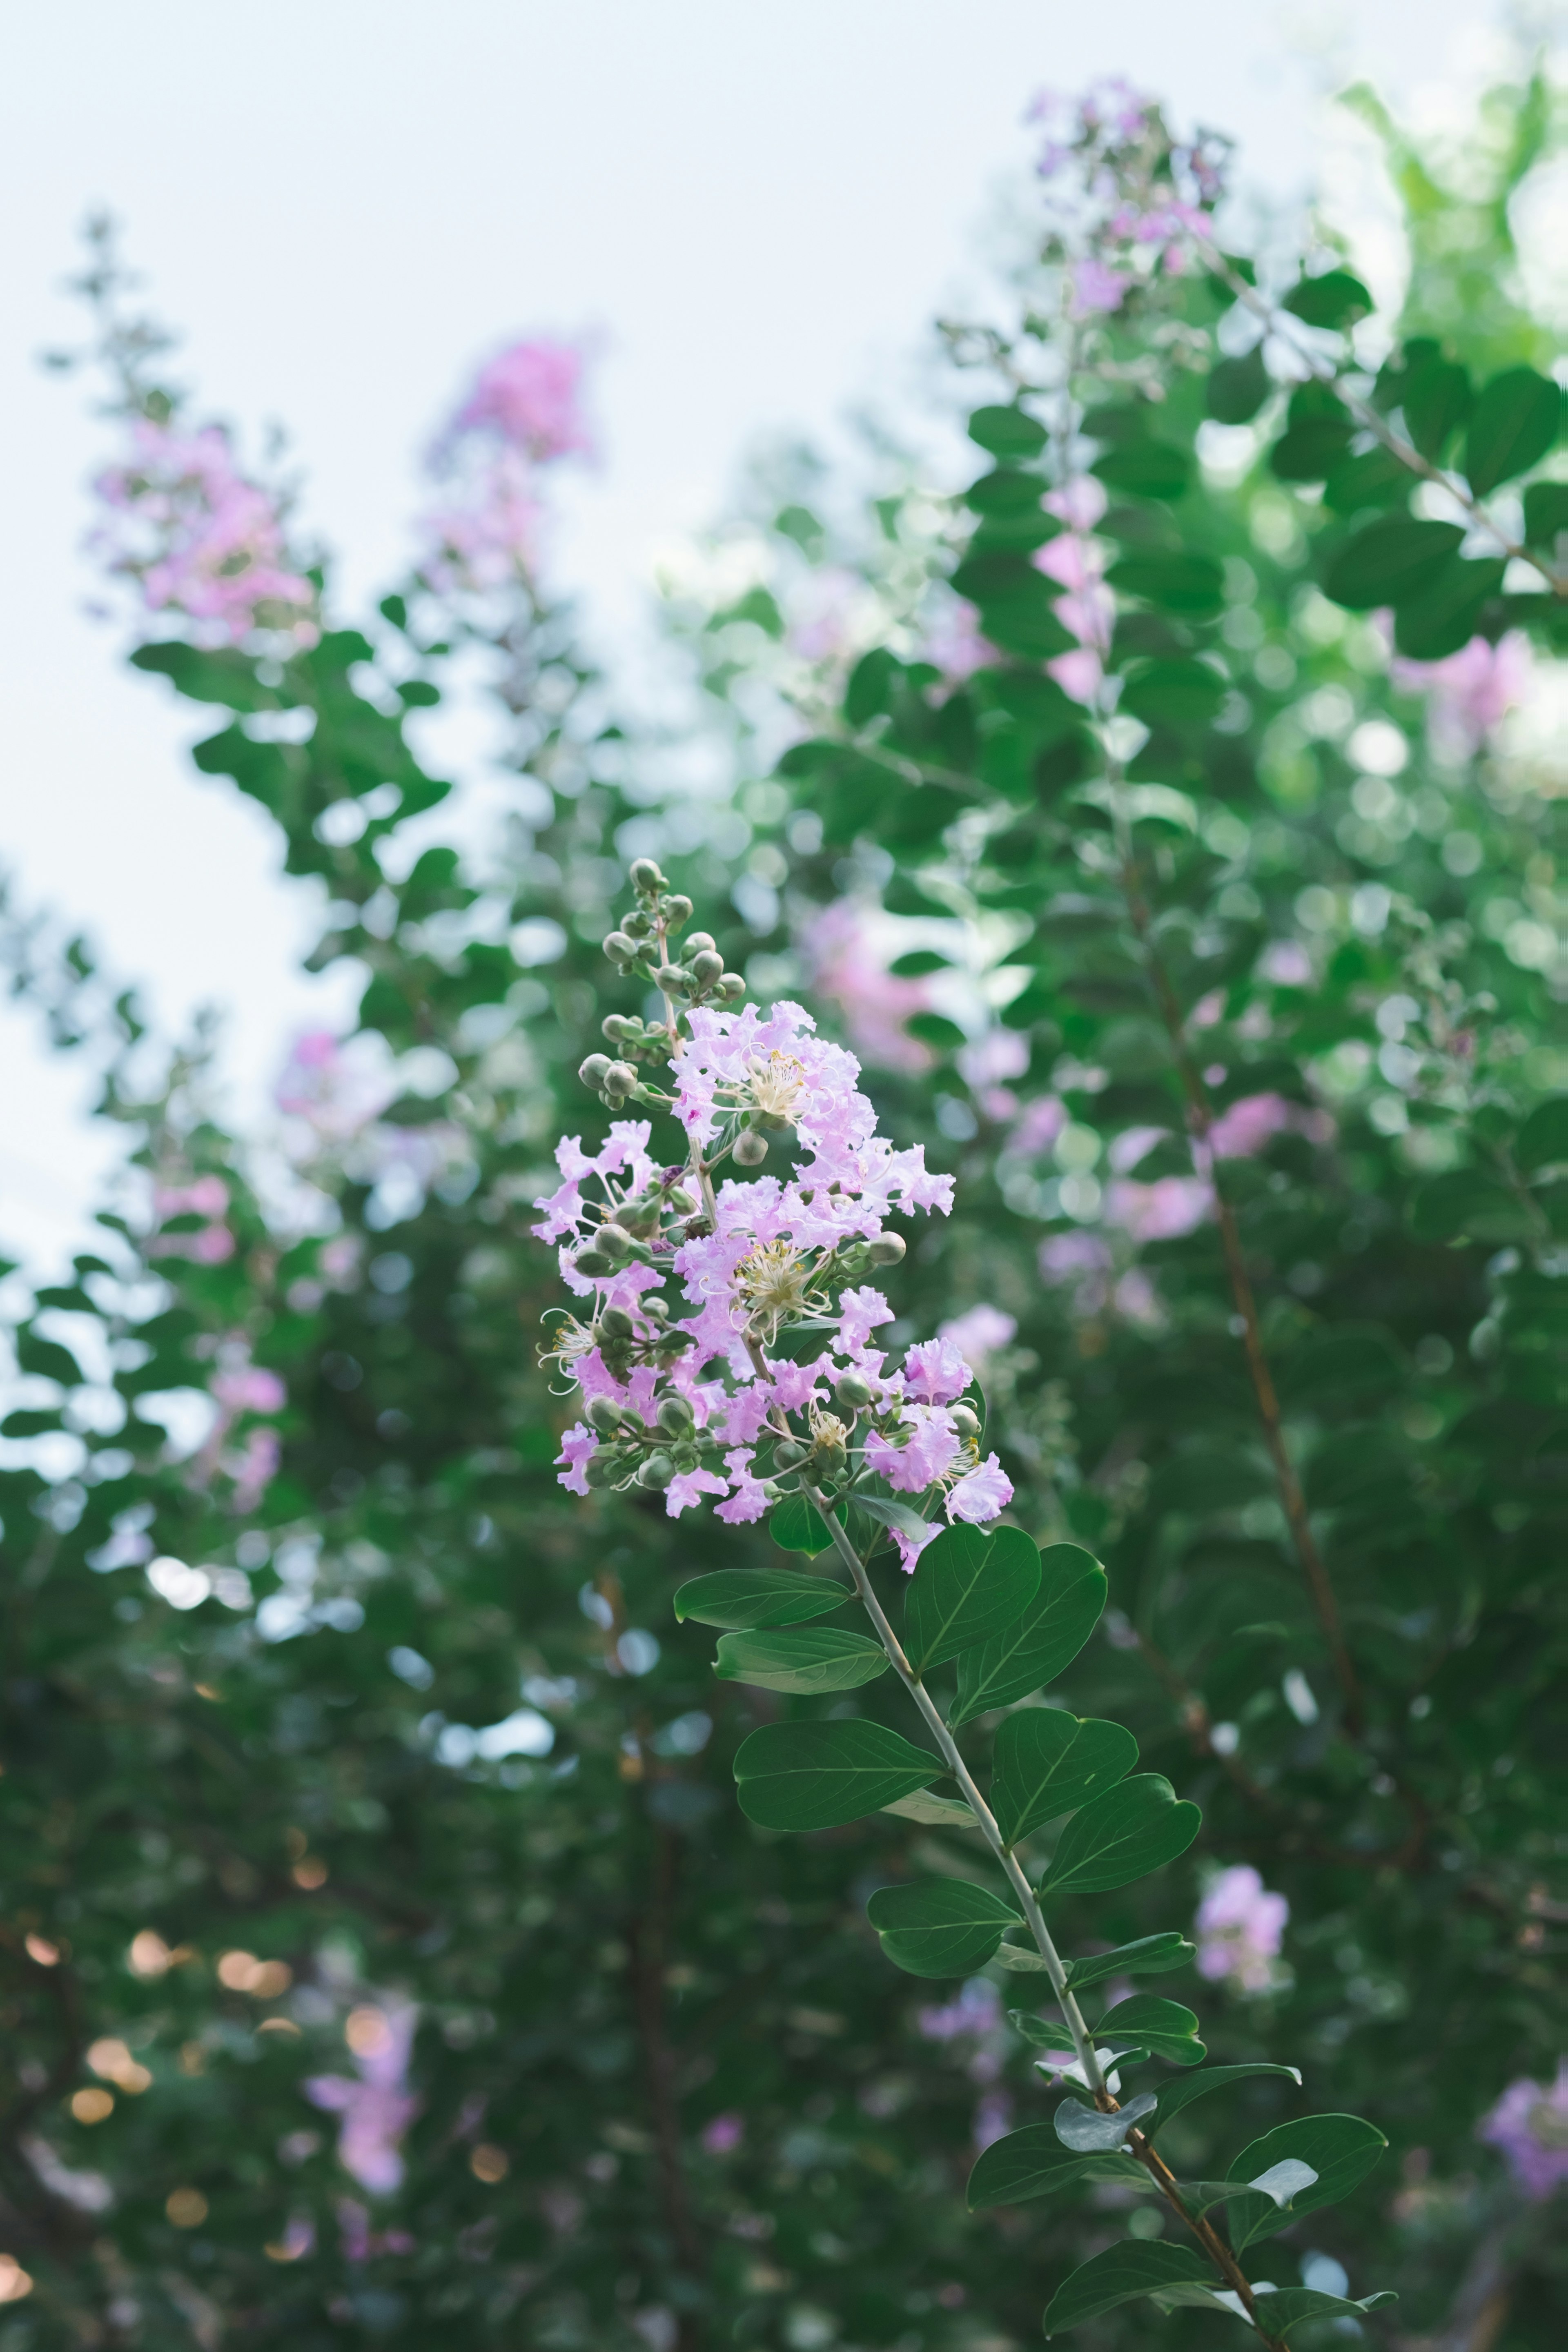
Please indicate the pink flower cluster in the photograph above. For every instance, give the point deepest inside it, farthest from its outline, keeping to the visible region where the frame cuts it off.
(375, 2104)
(767, 1259)
(199, 538)
(1470, 693)
(1126, 199)
(1530, 2125)
(1239, 1928)
(523, 412)
(1088, 608)
(205, 1196)
(841, 947)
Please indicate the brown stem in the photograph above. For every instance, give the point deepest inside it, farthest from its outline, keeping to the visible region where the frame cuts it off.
(1200, 1126)
(647, 1940)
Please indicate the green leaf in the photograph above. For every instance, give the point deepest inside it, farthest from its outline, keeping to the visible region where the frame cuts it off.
(1008, 433)
(1166, 2027)
(1334, 300)
(936, 1029)
(1542, 1141)
(1342, 2151)
(1463, 1203)
(746, 1597)
(1005, 492)
(918, 963)
(1047, 1763)
(1443, 617)
(1517, 418)
(1545, 513)
(935, 1812)
(1149, 1956)
(1048, 1637)
(1238, 388)
(1083, 2128)
(940, 1927)
(1436, 398)
(820, 1658)
(1125, 2274)
(1174, 580)
(1283, 2309)
(1120, 1836)
(1389, 561)
(798, 1526)
(1175, 2096)
(966, 1587)
(888, 1514)
(872, 683)
(817, 1776)
(1033, 2163)
(1144, 469)
(1281, 2184)
(1375, 479)
(1180, 694)
(1312, 448)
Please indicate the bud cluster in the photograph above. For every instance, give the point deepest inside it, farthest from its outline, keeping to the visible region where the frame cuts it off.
(696, 1405)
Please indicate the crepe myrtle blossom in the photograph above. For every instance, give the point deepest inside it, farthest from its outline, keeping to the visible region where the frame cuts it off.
(1529, 2126)
(523, 413)
(199, 538)
(1239, 1927)
(1125, 200)
(375, 2105)
(724, 1339)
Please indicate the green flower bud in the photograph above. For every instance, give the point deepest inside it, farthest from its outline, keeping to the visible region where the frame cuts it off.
(677, 913)
(656, 1473)
(618, 948)
(671, 979)
(595, 1070)
(750, 1148)
(698, 941)
(706, 966)
(674, 1415)
(595, 1262)
(617, 1324)
(600, 1471)
(615, 1241)
(788, 1454)
(619, 1029)
(966, 1423)
(887, 1249)
(604, 1414)
(731, 987)
(620, 1078)
(646, 875)
(854, 1390)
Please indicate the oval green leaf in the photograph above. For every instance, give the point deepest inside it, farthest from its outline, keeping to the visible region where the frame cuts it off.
(1049, 1763)
(1284, 2309)
(819, 1658)
(940, 1927)
(1034, 2163)
(1334, 300)
(1165, 2027)
(1391, 560)
(1120, 1836)
(817, 1776)
(798, 1526)
(1046, 1638)
(1007, 432)
(967, 1588)
(1542, 1141)
(1175, 2096)
(1174, 580)
(1342, 2151)
(746, 1597)
(1151, 1956)
(1518, 417)
(1125, 2274)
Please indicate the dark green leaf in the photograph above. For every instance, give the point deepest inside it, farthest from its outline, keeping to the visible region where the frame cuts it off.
(940, 1927)
(1174, 580)
(1465, 1203)
(817, 1776)
(1517, 418)
(1389, 561)
(1545, 513)
(1008, 433)
(1284, 2309)
(1144, 469)
(1312, 449)
(936, 1029)
(1238, 388)
(1005, 492)
(1125, 2274)
(1166, 2027)
(1083, 2128)
(1047, 1763)
(1149, 1956)
(1334, 300)
(1436, 398)
(797, 1526)
(918, 963)
(967, 1588)
(746, 1597)
(1120, 1836)
(1375, 479)
(816, 1658)
(1046, 1638)
(1542, 1141)
(872, 683)
(1175, 2096)
(1033, 2163)
(1443, 617)
(1180, 694)
(1341, 2149)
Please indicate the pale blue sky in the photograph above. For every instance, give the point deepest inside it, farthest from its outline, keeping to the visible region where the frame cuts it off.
(344, 203)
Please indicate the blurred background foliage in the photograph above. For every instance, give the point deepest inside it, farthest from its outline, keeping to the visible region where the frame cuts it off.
(382, 1951)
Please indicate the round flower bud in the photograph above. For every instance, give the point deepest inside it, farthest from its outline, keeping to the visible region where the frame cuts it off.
(677, 912)
(637, 926)
(674, 1415)
(619, 947)
(617, 1324)
(595, 1262)
(604, 1414)
(620, 1078)
(671, 979)
(595, 1070)
(854, 1390)
(788, 1454)
(966, 1423)
(732, 987)
(654, 1308)
(599, 1470)
(887, 1249)
(656, 1472)
(687, 1457)
(680, 1202)
(646, 874)
(619, 1029)
(698, 941)
(750, 1148)
(707, 965)
(615, 1239)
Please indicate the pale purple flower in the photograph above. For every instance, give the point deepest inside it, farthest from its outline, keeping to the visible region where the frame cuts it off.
(688, 1486)
(1529, 2126)
(1097, 287)
(486, 537)
(1133, 1144)
(529, 397)
(976, 2010)
(861, 1312)
(1160, 1212)
(377, 2108)
(199, 538)
(250, 1389)
(978, 1334)
(982, 1494)
(1287, 963)
(848, 948)
(935, 1371)
(721, 2135)
(926, 1456)
(1239, 1927)
(1470, 692)
(993, 2119)
(953, 645)
(909, 1547)
(1242, 1130)
(1039, 1125)
(1078, 674)
(1080, 502)
(256, 1467)
(749, 1500)
(1071, 560)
